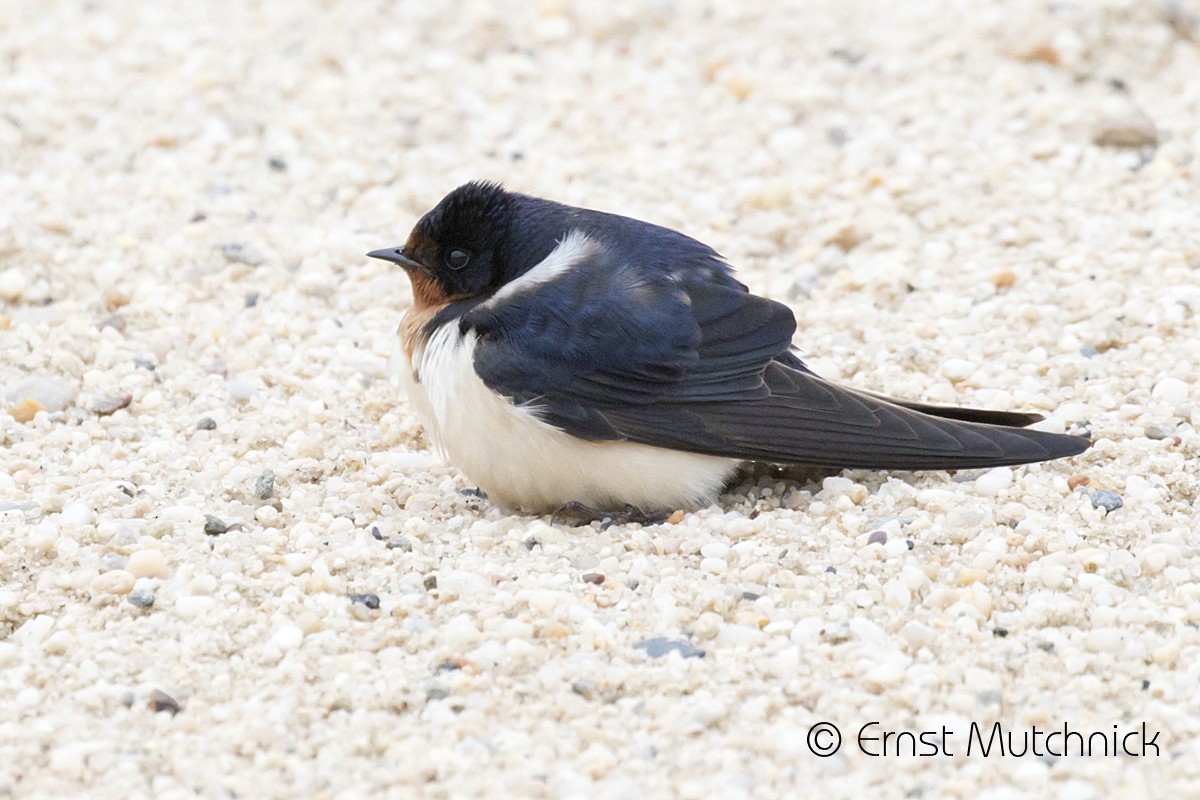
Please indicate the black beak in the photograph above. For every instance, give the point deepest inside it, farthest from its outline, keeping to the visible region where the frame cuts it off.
(396, 256)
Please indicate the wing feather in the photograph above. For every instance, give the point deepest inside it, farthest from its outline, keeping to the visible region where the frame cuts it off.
(685, 357)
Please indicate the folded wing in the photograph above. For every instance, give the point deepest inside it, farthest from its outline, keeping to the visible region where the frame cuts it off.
(686, 358)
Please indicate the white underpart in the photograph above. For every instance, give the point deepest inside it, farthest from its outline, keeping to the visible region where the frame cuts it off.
(528, 465)
(572, 249)
(524, 463)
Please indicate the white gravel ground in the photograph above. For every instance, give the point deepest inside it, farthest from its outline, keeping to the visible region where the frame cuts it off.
(961, 200)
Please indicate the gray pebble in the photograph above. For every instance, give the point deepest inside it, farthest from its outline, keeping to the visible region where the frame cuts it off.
(437, 692)
(877, 537)
(264, 487)
(1160, 431)
(141, 597)
(1109, 501)
(659, 647)
(213, 526)
(371, 601)
(584, 688)
(145, 362)
(240, 253)
(206, 424)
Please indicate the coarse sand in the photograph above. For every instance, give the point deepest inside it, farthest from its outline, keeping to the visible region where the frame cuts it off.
(230, 565)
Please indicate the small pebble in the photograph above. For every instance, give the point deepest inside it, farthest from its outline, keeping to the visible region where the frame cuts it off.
(111, 561)
(240, 253)
(437, 692)
(117, 581)
(1004, 279)
(206, 424)
(194, 606)
(267, 515)
(994, 481)
(1132, 132)
(1171, 391)
(1075, 481)
(77, 513)
(142, 595)
(594, 578)
(584, 688)
(1159, 432)
(52, 394)
(371, 601)
(213, 526)
(252, 300)
(107, 406)
(264, 487)
(958, 369)
(161, 701)
(147, 564)
(1109, 501)
(877, 537)
(13, 284)
(241, 390)
(676, 517)
(430, 583)
(26, 410)
(659, 647)
(115, 321)
(288, 637)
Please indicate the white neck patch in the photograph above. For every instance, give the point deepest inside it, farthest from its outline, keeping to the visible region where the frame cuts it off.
(572, 249)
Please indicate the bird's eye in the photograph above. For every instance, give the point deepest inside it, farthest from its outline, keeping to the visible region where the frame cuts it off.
(457, 259)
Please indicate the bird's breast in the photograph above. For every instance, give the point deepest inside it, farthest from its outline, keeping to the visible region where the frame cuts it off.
(526, 464)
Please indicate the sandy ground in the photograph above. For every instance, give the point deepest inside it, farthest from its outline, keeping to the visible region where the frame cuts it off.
(980, 202)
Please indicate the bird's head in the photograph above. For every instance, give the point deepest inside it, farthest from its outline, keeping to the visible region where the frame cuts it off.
(456, 250)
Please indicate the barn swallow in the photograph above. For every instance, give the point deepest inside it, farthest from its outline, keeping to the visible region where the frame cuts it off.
(560, 356)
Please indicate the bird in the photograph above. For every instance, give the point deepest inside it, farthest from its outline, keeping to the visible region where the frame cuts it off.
(572, 360)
